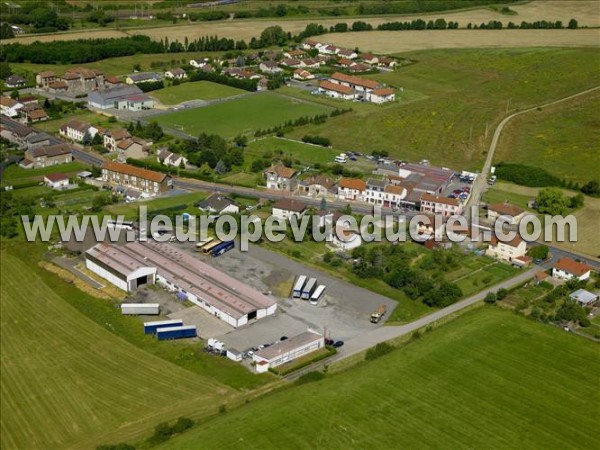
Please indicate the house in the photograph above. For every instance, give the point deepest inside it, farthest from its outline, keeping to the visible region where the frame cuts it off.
(334, 90)
(58, 87)
(133, 147)
(144, 180)
(9, 107)
(311, 63)
(393, 195)
(512, 213)
(357, 83)
(199, 62)
(584, 298)
(507, 251)
(287, 351)
(374, 192)
(281, 178)
(262, 85)
(347, 53)
(218, 204)
(382, 95)
(56, 180)
(42, 139)
(351, 189)
(171, 159)
(522, 261)
(76, 130)
(440, 205)
(286, 208)
(15, 81)
(294, 54)
(176, 74)
(328, 49)
(567, 269)
(82, 80)
(111, 138)
(33, 112)
(345, 62)
(301, 74)
(115, 97)
(317, 186)
(15, 132)
(430, 229)
(46, 156)
(309, 44)
(358, 68)
(387, 62)
(293, 63)
(346, 239)
(43, 79)
(112, 81)
(148, 77)
(270, 67)
(369, 58)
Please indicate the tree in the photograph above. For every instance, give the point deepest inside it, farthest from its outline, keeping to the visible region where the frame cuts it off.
(5, 70)
(6, 31)
(591, 188)
(87, 139)
(501, 294)
(490, 298)
(552, 201)
(14, 94)
(538, 252)
(241, 140)
(576, 201)
(273, 36)
(573, 24)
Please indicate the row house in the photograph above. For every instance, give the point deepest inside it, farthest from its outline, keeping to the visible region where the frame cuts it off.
(508, 251)
(440, 205)
(43, 79)
(374, 192)
(81, 79)
(15, 132)
(46, 156)
(112, 138)
(281, 178)
(335, 90)
(351, 189)
(133, 147)
(76, 130)
(317, 186)
(143, 180)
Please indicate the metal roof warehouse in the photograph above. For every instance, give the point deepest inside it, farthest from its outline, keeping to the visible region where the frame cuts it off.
(221, 295)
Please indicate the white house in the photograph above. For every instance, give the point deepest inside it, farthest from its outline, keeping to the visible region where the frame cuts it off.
(301, 74)
(76, 130)
(440, 205)
(507, 251)
(346, 239)
(286, 208)
(9, 107)
(281, 178)
(218, 204)
(178, 74)
(334, 90)
(171, 159)
(270, 67)
(583, 297)
(567, 269)
(288, 350)
(199, 63)
(351, 189)
(512, 213)
(56, 180)
(382, 95)
(347, 53)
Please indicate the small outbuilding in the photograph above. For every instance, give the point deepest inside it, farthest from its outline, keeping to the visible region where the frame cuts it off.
(584, 298)
(56, 180)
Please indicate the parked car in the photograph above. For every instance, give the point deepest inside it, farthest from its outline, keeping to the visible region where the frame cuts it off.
(283, 338)
(329, 341)
(338, 344)
(539, 261)
(353, 158)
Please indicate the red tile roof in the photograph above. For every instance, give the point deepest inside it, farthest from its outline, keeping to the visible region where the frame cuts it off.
(573, 267)
(383, 92)
(281, 170)
(442, 200)
(506, 209)
(54, 177)
(126, 169)
(352, 183)
(363, 82)
(329, 86)
(288, 204)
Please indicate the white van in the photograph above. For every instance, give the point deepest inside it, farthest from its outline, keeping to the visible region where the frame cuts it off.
(341, 158)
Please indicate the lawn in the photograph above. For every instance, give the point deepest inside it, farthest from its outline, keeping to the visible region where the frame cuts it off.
(67, 381)
(244, 115)
(17, 175)
(463, 93)
(52, 126)
(306, 154)
(204, 90)
(487, 276)
(130, 210)
(501, 193)
(473, 383)
(562, 139)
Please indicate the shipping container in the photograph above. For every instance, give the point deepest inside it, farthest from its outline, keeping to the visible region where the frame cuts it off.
(297, 292)
(314, 298)
(310, 287)
(146, 309)
(208, 247)
(187, 331)
(151, 327)
(222, 248)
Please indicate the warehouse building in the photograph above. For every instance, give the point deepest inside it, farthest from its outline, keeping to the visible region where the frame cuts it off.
(214, 291)
(128, 97)
(288, 350)
(118, 267)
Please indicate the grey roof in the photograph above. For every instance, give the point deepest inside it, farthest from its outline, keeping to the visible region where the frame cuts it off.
(288, 345)
(137, 77)
(111, 94)
(583, 296)
(15, 79)
(376, 183)
(216, 202)
(41, 137)
(15, 127)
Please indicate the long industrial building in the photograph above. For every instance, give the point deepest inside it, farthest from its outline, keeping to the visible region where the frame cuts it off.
(134, 264)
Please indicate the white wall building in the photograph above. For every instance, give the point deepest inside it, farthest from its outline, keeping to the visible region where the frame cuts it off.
(567, 269)
(287, 351)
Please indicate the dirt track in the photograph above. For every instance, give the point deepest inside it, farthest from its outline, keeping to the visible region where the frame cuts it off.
(587, 13)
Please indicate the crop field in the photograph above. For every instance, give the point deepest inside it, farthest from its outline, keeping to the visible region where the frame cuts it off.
(203, 90)
(244, 115)
(473, 383)
(562, 139)
(585, 12)
(68, 381)
(465, 95)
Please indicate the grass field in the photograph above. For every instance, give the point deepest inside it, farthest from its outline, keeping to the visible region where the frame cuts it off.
(473, 383)
(52, 126)
(305, 153)
(464, 92)
(562, 139)
(130, 210)
(204, 90)
(244, 115)
(67, 381)
(17, 175)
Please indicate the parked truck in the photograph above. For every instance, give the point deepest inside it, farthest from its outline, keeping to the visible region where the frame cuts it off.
(187, 331)
(140, 309)
(152, 327)
(378, 314)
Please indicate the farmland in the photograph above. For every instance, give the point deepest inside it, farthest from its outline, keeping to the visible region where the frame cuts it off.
(306, 153)
(562, 139)
(68, 381)
(244, 115)
(203, 90)
(465, 93)
(472, 383)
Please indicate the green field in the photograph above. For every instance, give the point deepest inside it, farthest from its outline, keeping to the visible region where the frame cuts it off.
(462, 92)
(244, 115)
(561, 139)
(204, 90)
(489, 379)
(17, 175)
(306, 153)
(68, 381)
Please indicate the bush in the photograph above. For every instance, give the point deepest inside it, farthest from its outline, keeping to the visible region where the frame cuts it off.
(538, 252)
(501, 294)
(526, 175)
(490, 298)
(381, 349)
(310, 377)
(317, 140)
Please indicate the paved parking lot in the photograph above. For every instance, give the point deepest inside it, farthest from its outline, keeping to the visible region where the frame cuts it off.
(343, 312)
